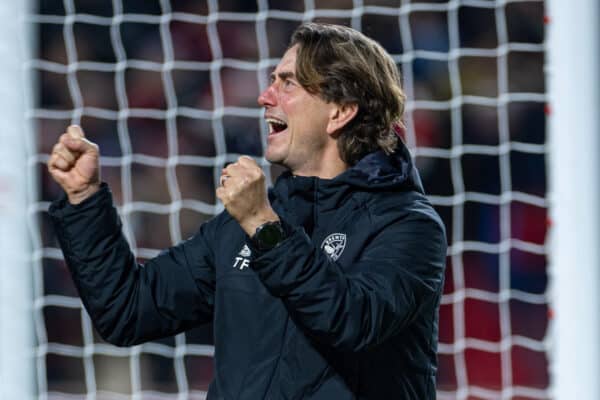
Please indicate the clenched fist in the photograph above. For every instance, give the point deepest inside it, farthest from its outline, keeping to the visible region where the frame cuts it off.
(75, 165)
(243, 192)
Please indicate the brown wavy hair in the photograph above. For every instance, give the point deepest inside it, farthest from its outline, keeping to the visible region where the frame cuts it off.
(341, 65)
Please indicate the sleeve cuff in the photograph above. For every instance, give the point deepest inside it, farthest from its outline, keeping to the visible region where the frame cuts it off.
(61, 207)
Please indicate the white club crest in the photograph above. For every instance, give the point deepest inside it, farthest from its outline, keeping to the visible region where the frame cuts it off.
(334, 245)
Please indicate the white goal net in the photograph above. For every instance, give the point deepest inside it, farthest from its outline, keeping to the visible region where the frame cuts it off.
(168, 90)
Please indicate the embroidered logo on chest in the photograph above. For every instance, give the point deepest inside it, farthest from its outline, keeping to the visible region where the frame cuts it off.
(334, 245)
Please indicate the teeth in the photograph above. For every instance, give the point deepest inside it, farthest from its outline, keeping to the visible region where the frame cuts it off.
(275, 121)
(275, 125)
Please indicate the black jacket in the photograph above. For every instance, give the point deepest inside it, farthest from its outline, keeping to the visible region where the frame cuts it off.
(345, 308)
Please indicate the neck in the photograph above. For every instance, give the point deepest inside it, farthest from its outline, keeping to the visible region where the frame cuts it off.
(324, 162)
(329, 168)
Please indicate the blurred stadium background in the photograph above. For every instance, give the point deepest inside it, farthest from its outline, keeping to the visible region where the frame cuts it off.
(168, 90)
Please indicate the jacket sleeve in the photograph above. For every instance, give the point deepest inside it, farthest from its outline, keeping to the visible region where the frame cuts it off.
(401, 270)
(131, 303)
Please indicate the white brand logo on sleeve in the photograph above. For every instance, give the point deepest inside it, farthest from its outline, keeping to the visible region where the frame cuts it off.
(242, 261)
(245, 252)
(334, 245)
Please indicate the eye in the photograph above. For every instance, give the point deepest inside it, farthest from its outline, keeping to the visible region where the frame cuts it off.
(288, 83)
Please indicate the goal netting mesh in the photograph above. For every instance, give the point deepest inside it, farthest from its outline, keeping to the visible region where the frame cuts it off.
(168, 90)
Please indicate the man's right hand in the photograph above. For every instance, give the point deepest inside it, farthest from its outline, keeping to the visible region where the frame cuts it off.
(75, 165)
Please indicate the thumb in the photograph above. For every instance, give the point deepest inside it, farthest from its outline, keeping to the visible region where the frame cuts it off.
(75, 132)
(76, 142)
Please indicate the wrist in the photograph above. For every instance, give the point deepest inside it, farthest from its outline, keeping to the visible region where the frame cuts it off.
(82, 195)
(252, 222)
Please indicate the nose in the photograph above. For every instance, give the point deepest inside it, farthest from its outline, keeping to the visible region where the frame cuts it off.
(267, 98)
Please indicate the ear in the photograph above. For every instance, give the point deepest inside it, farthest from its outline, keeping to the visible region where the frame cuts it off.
(339, 116)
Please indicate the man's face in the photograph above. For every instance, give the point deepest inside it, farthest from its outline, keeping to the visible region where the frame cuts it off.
(298, 121)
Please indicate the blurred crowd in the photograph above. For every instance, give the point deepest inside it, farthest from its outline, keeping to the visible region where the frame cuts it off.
(101, 93)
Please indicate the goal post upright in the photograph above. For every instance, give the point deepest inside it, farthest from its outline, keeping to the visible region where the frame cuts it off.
(574, 138)
(16, 327)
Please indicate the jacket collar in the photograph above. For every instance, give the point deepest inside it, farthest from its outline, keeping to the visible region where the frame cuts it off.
(375, 171)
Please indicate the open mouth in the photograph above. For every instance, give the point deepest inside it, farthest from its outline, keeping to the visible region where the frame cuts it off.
(276, 125)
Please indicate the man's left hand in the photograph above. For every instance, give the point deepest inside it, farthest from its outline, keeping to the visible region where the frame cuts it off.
(244, 194)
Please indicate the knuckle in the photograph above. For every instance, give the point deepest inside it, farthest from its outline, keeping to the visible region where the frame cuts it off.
(256, 176)
(64, 154)
(52, 160)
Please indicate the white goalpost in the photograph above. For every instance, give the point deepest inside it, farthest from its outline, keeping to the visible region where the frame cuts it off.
(168, 89)
(17, 192)
(574, 82)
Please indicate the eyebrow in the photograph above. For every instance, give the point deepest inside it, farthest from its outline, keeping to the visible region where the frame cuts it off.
(282, 75)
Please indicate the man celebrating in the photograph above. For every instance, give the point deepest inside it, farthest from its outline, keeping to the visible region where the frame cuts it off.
(326, 287)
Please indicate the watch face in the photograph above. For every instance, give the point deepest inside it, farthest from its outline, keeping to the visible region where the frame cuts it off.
(269, 235)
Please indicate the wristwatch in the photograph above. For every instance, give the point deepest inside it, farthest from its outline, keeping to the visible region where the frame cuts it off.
(268, 235)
